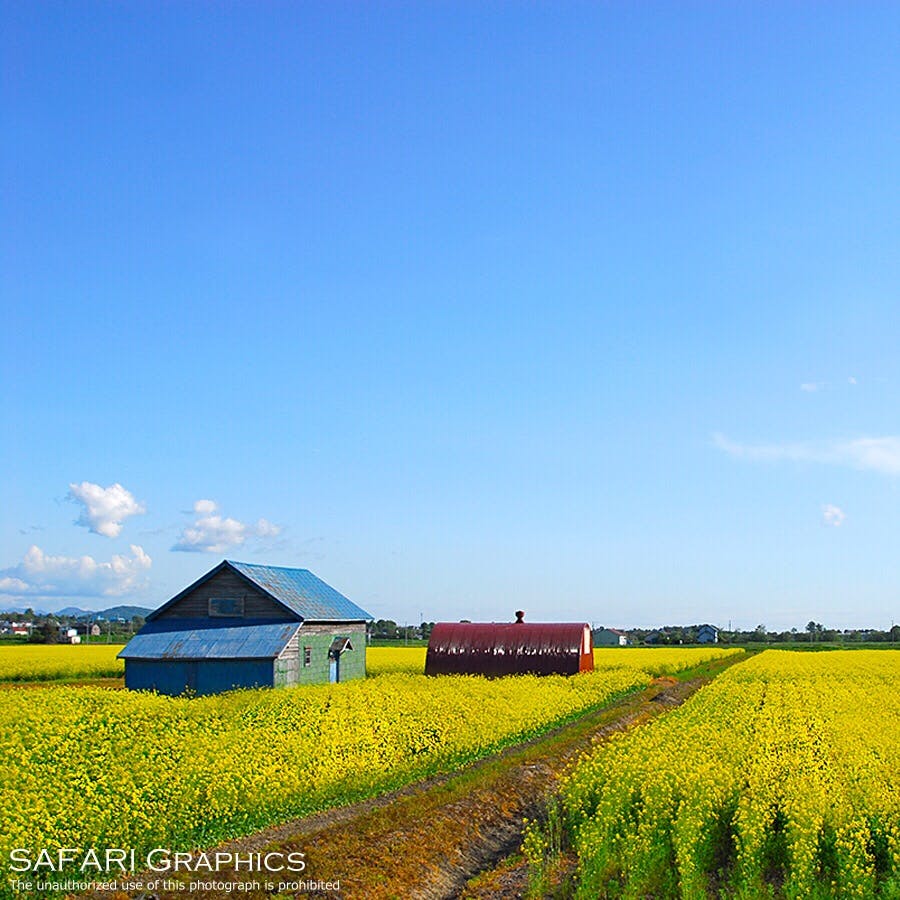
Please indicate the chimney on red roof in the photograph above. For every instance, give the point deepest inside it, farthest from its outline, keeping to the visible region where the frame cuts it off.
(520, 616)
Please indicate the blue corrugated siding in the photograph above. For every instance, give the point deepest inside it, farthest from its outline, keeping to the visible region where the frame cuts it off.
(201, 677)
(214, 676)
(146, 675)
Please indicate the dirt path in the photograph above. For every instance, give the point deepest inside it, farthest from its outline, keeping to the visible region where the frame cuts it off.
(430, 839)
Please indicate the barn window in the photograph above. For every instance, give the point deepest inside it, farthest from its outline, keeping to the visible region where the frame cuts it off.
(307, 656)
(226, 607)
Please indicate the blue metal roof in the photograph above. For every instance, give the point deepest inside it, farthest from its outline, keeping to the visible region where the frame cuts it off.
(202, 639)
(302, 592)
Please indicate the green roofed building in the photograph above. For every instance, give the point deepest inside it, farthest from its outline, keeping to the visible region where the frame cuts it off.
(243, 625)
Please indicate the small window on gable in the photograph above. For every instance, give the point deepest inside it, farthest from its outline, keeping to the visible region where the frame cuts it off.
(226, 607)
(307, 656)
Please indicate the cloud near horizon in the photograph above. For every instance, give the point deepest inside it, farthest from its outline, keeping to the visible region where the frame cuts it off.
(833, 515)
(104, 509)
(213, 533)
(881, 454)
(40, 575)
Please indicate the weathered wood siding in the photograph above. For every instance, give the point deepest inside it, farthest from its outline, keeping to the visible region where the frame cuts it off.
(318, 637)
(356, 631)
(287, 664)
(226, 583)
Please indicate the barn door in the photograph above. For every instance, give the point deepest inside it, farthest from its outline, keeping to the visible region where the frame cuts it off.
(334, 669)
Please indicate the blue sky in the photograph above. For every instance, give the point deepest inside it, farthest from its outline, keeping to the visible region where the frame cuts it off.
(588, 309)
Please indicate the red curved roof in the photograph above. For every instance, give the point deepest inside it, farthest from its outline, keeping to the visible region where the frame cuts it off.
(540, 648)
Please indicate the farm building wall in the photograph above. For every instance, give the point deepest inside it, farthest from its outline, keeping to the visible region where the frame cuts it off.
(198, 676)
(169, 675)
(318, 638)
(226, 584)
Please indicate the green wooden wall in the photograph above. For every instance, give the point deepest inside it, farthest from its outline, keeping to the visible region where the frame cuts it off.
(352, 663)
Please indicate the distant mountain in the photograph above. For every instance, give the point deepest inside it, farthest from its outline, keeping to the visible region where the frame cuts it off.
(124, 613)
(127, 613)
(73, 611)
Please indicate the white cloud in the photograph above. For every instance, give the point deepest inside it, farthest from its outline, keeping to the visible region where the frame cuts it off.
(851, 380)
(105, 509)
(812, 386)
(213, 533)
(832, 515)
(266, 529)
(881, 454)
(13, 586)
(49, 576)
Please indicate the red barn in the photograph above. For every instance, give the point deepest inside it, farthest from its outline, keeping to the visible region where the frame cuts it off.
(543, 648)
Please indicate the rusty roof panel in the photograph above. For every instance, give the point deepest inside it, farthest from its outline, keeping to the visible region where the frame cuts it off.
(539, 648)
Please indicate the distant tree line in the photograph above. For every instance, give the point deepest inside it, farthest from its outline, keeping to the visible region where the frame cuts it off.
(47, 629)
(814, 632)
(388, 629)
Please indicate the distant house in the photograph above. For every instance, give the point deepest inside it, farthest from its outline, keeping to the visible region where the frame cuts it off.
(652, 638)
(707, 634)
(610, 637)
(244, 625)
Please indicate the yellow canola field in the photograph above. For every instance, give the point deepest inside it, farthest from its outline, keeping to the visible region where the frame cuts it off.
(91, 767)
(660, 660)
(382, 660)
(50, 662)
(65, 662)
(655, 661)
(784, 771)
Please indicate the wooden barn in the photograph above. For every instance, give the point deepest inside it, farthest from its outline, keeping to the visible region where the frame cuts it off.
(244, 625)
(541, 648)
